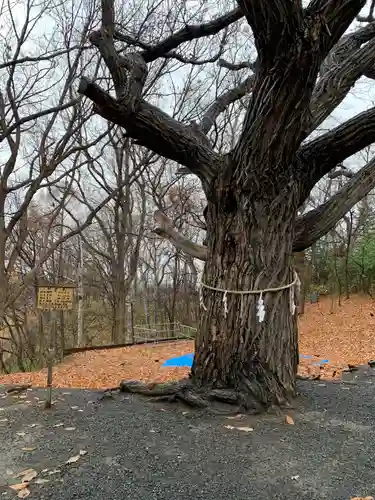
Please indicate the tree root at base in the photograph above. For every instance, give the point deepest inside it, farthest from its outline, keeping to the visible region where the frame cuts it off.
(186, 392)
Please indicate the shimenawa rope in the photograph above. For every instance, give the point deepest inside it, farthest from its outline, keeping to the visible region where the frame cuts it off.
(260, 306)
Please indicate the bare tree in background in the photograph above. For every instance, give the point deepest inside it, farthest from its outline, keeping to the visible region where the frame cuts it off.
(120, 226)
(45, 130)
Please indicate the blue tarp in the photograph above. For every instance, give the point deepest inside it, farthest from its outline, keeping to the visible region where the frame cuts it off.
(187, 360)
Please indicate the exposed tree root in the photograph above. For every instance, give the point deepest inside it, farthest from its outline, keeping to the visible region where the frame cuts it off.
(17, 389)
(186, 392)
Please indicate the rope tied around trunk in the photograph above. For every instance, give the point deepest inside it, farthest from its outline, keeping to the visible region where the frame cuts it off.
(261, 312)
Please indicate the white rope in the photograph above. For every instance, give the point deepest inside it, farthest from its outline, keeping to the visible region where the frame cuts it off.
(260, 306)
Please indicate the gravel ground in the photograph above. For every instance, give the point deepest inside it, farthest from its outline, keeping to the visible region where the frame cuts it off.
(145, 451)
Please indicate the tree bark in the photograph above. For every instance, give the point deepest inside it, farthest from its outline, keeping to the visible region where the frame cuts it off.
(248, 250)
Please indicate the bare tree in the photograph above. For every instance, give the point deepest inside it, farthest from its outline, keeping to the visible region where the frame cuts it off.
(304, 68)
(120, 227)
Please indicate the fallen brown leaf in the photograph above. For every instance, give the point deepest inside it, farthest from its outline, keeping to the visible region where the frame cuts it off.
(18, 487)
(28, 449)
(25, 472)
(289, 420)
(23, 493)
(29, 476)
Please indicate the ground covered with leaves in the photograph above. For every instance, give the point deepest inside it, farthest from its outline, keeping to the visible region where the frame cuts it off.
(340, 334)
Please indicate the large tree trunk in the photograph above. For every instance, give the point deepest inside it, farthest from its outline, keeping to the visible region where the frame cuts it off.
(250, 248)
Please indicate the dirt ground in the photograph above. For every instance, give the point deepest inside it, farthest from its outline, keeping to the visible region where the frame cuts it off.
(340, 335)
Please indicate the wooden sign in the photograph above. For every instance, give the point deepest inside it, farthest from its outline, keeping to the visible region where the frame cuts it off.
(55, 297)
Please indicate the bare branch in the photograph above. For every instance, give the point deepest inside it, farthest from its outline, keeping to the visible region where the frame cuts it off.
(166, 230)
(331, 19)
(322, 154)
(342, 172)
(236, 66)
(42, 57)
(370, 18)
(29, 277)
(186, 34)
(309, 227)
(157, 131)
(275, 24)
(9, 130)
(225, 100)
(318, 222)
(340, 71)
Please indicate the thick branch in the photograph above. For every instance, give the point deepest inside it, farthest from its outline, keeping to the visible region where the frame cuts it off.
(323, 219)
(157, 131)
(186, 34)
(370, 17)
(309, 228)
(333, 17)
(341, 172)
(166, 230)
(225, 100)
(117, 65)
(345, 64)
(334, 147)
(275, 24)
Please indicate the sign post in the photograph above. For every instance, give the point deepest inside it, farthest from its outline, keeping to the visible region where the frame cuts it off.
(54, 298)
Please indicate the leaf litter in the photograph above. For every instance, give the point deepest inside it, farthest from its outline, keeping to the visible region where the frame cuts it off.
(30, 475)
(340, 334)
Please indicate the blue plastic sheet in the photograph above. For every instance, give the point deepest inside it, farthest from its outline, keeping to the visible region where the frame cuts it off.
(187, 360)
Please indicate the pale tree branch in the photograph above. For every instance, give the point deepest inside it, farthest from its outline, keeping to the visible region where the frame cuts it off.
(166, 230)
(237, 66)
(318, 222)
(341, 172)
